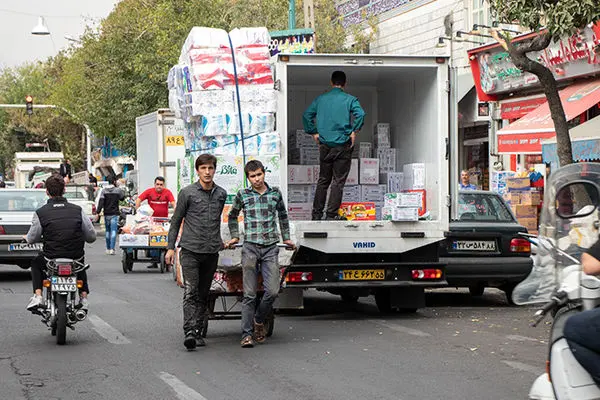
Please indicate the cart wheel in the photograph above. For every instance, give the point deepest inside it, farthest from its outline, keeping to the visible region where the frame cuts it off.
(125, 261)
(270, 324)
(163, 265)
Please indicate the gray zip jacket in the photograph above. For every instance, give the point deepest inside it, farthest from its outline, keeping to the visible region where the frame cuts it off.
(201, 212)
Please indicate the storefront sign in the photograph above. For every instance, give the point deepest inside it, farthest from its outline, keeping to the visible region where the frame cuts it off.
(495, 73)
(520, 108)
(483, 109)
(303, 43)
(528, 143)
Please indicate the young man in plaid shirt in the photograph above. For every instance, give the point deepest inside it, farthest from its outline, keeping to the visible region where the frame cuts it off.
(262, 206)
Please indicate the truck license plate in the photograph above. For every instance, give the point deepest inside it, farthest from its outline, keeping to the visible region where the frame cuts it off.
(362, 275)
(474, 245)
(25, 247)
(64, 283)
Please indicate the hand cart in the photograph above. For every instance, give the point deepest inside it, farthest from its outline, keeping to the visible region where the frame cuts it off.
(153, 245)
(234, 291)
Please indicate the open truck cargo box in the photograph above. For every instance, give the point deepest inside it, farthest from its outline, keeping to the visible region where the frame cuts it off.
(409, 93)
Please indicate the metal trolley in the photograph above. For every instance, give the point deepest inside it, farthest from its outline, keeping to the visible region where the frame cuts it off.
(229, 310)
(153, 246)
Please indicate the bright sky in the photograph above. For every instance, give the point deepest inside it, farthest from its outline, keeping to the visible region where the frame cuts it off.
(63, 17)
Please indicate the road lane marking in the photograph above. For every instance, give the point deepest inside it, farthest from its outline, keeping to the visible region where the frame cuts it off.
(520, 338)
(402, 329)
(106, 331)
(183, 391)
(523, 367)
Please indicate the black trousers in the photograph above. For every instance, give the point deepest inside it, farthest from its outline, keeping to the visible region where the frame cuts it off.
(582, 332)
(38, 275)
(198, 272)
(335, 165)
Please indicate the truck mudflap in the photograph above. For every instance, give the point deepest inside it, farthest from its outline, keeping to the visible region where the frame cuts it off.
(360, 275)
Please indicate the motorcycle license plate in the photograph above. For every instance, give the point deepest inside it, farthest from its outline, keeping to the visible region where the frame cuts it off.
(25, 247)
(63, 283)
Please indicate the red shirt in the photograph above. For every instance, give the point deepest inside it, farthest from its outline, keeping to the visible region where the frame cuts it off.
(158, 201)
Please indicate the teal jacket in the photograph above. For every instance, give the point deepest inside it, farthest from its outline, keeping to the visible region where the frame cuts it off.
(333, 111)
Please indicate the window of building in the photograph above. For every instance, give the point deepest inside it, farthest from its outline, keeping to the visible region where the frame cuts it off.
(480, 14)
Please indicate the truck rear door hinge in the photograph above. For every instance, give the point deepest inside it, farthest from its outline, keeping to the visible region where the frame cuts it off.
(448, 86)
(448, 201)
(277, 85)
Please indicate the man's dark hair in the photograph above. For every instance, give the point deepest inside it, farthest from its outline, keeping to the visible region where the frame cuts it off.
(338, 78)
(253, 165)
(159, 178)
(55, 185)
(111, 179)
(206, 159)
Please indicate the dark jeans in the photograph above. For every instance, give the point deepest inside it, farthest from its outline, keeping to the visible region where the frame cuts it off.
(335, 165)
(38, 275)
(259, 260)
(582, 332)
(198, 272)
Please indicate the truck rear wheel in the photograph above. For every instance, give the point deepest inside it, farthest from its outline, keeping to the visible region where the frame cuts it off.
(349, 297)
(383, 301)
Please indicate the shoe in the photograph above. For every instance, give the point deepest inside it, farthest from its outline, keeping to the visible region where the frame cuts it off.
(112, 252)
(107, 251)
(84, 304)
(190, 340)
(35, 302)
(260, 334)
(247, 342)
(200, 341)
(154, 265)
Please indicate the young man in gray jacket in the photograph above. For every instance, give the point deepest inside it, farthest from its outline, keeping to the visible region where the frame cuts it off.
(110, 196)
(199, 206)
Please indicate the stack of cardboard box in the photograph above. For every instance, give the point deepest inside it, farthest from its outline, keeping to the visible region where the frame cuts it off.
(524, 202)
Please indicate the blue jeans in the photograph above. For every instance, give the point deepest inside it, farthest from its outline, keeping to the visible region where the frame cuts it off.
(111, 223)
(582, 332)
(253, 257)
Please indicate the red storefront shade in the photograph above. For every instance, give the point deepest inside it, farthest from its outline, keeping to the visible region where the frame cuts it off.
(525, 134)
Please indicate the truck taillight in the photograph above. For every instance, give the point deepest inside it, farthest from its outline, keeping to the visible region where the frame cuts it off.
(425, 274)
(299, 277)
(520, 246)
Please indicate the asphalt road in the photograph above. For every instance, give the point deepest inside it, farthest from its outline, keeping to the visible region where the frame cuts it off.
(131, 347)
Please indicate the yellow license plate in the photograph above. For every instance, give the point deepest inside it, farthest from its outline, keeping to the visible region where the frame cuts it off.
(362, 275)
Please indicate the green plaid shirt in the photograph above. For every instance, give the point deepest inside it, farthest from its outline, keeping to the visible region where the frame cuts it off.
(260, 215)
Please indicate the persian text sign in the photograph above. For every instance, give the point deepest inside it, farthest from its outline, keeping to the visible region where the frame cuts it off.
(527, 143)
(567, 58)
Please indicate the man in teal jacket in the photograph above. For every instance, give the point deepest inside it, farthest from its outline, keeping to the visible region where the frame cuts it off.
(339, 117)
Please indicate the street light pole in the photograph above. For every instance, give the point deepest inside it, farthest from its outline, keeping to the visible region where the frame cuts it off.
(88, 131)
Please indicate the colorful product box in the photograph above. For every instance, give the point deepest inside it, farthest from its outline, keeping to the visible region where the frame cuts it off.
(400, 214)
(358, 211)
(517, 184)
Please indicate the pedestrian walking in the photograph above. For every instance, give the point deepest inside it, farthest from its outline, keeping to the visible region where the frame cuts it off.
(263, 206)
(199, 206)
(339, 117)
(109, 199)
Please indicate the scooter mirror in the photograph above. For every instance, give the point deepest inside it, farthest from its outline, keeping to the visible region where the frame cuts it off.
(577, 200)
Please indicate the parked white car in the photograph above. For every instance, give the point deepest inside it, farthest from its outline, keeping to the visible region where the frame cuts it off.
(16, 212)
(83, 196)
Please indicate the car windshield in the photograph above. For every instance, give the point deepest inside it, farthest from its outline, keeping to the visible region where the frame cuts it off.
(482, 207)
(17, 200)
(79, 192)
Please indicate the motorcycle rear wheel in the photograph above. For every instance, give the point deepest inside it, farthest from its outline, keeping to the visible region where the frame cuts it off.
(61, 319)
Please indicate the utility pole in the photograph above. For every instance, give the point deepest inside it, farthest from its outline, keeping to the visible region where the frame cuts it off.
(88, 131)
(292, 15)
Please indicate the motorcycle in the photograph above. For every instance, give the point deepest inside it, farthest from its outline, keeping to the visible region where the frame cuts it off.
(569, 225)
(61, 298)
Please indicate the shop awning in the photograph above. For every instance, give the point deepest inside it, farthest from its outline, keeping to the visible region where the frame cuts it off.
(585, 142)
(525, 134)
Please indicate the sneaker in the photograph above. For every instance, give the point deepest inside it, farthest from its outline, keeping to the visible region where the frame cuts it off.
(247, 342)
(190, 340)
(112, 252)
(107, 251)
(35, 302)
(260, 333)
(200, 341)
(155, 265)
(84, 304)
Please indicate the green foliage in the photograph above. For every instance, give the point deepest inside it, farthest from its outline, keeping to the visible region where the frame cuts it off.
(561, 17)
(119, 72)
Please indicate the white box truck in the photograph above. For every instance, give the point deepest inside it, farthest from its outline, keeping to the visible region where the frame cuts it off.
(159, 144)
(343, 257)
(395, 261)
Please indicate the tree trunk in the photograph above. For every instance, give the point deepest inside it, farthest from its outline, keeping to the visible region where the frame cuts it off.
(518, 53)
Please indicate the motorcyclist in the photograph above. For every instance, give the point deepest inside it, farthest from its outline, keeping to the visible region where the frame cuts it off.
(582, 330)
(63, 229)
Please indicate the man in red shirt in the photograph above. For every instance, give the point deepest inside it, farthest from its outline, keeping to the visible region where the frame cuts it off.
(159, 198)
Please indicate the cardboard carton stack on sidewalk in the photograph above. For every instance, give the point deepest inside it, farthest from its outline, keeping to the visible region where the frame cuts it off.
(524, 202)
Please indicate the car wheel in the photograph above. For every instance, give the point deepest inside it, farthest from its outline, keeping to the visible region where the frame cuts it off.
(477, 290)
(508, 291)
